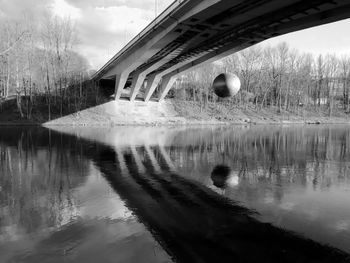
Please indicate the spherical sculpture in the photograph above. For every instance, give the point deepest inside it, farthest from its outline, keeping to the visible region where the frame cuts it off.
(226, 85)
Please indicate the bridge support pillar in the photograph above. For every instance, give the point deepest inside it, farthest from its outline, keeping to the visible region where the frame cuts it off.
(137, 82)
(152, 84)
(167, 83)
(120, 82)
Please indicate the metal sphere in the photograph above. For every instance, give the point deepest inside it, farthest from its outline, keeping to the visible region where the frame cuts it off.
(226, 85)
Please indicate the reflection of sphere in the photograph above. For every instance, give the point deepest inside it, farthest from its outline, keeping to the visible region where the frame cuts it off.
(219, 175)
(226, 85)
(222, 176)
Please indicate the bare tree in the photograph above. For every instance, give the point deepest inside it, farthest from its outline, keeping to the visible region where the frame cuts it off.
(280, 78)
(345, 74)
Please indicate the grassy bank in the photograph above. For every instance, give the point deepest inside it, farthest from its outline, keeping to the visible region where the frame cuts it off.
(170, 112)
(37, 111)
(229, 113)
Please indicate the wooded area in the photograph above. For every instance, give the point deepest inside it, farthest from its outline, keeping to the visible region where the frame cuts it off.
(38, 64)
(41, 71)
(278, 77)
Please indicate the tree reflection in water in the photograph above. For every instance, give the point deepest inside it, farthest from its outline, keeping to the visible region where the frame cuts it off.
(37, 172)
(164, 177)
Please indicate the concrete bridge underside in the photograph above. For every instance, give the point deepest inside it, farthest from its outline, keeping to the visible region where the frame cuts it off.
(192, 32)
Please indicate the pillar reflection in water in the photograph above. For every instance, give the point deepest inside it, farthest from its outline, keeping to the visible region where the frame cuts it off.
(166, 189)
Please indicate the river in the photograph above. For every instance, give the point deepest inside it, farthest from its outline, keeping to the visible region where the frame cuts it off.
(175, 194)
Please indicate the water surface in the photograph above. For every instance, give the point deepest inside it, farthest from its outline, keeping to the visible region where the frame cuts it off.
(133, 194)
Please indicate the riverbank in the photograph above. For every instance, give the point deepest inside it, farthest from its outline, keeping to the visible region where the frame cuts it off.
(176, 112)
(233, 114)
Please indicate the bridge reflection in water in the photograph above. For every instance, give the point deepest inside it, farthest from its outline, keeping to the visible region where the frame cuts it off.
(190, 221)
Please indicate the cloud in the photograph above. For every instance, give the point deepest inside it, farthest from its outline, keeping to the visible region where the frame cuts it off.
(105, 26)
(329, 38)
(104, 31)
(14, 9)
(144, 4)
(63, 9)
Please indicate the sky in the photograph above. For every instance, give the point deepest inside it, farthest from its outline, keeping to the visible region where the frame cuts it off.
(105, 26)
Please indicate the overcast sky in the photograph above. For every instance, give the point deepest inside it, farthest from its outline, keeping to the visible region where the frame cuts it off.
(104, 26)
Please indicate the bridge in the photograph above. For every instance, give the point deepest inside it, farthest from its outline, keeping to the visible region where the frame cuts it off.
(192, 32)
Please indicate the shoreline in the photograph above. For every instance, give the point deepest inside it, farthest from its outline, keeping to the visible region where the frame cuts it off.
(189, 123)
(181, 113)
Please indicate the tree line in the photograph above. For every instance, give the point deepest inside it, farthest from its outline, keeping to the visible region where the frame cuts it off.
(42, 72)
(39, 67)
(278, 77)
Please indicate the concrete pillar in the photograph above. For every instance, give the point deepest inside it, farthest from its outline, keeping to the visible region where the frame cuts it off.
(120, 82)
(152, 84)
(167, 83)
(137, 82)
